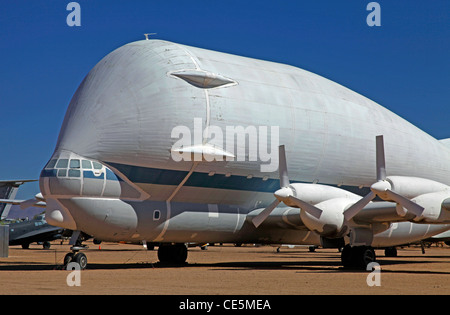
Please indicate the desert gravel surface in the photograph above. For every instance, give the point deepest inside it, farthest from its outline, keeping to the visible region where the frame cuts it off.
(222, 270)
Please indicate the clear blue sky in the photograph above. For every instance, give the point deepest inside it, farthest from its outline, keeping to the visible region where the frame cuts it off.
(404, 65)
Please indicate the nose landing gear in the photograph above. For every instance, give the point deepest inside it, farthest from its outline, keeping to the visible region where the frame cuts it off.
(76, 256)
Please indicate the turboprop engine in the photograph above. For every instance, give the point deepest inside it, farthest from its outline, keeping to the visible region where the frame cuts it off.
(327, 217)
(331, 223)
(426, 193)
(323, 208)
(329, 210)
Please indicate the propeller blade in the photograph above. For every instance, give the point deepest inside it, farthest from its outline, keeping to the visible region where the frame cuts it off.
(312, 210)
(265, 213)
(383, 188)
(405, 203)
(381, 162)
(282, 167)
(358, 206)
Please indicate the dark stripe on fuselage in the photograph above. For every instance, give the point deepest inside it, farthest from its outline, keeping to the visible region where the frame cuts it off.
(146, 175)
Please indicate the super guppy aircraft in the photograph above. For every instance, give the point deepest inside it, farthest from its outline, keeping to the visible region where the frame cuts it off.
(132, 164)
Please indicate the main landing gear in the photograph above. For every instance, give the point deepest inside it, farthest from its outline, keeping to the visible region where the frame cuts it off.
(76, 256)
(170, 254)
(357, 257)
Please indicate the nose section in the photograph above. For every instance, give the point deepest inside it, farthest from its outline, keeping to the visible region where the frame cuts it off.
(47, 172)
(61, 176)
(62, 179)
(69, 176)
(55, 213)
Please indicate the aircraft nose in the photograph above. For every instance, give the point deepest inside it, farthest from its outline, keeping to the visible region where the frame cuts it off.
(69, 175)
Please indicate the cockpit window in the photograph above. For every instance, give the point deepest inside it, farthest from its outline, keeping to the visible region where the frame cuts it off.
(74, 173)
(97, 166)
(62, 163)
(74, 163)
(62, 173)
(51, 164)
(86, 164)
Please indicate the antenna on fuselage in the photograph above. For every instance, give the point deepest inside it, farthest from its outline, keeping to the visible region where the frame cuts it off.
(148, 34)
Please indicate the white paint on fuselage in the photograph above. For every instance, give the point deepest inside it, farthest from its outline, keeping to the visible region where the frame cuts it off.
(126, 107)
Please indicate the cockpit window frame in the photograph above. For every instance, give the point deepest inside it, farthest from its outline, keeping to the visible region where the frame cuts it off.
(75, 163)
(51, 164)
(62, 163)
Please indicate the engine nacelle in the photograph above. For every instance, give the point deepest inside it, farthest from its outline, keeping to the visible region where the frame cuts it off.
(317, 193)
(434, 212)
(331, 200)
(411, 187)
(331, 222)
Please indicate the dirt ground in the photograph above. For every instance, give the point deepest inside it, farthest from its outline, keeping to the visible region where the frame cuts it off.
(222, 270)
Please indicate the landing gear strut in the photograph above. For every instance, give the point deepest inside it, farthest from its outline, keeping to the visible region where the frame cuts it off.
(76, 256)
(357, 257)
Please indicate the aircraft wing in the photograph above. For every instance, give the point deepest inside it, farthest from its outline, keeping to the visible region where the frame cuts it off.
(16, 182)
(281, 217)
(381, 211)
(374, 212)
(33, 202)
(384, 211)
(11, 201)
(8, 191)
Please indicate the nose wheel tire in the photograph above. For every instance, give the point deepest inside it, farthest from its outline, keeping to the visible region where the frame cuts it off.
(81, 259)
(78, 258)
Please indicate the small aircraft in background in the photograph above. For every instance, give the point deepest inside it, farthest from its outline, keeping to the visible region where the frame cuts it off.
(36, 230)
(25, 232)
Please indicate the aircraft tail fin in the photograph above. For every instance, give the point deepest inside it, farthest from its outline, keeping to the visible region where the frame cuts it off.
(8, 191)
